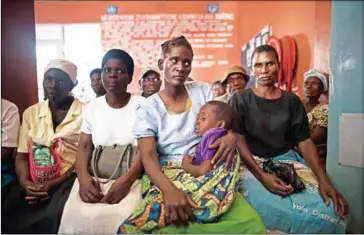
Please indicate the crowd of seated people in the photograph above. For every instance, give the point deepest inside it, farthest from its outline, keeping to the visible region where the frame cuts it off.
(198, 159)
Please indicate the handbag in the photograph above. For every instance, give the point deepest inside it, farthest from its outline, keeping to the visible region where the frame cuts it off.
(285, 172)
(111, 162)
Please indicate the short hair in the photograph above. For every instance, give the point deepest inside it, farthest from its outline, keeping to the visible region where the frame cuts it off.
(123, 56)
(224, 112)
(265, 48)
(175, 42)
(97, 70)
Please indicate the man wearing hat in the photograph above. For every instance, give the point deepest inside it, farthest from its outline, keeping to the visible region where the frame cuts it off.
(236, 79)
(150, 82)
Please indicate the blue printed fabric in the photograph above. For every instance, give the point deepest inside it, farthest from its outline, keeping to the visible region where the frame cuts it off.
(304, 212)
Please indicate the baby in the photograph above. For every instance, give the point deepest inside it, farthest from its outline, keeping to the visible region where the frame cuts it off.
(213, 122)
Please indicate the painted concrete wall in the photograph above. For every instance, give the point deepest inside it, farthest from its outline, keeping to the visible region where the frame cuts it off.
(307, 21)
(346, 96)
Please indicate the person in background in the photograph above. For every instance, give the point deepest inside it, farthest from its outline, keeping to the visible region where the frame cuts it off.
(236, 79)
(10, 124)
(272, 122)
(315, 84)
(150, 82)
(37, 207)
(96, 82)
(218, 89)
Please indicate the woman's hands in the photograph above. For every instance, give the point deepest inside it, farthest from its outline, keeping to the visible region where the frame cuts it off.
(275, 185)
(178, 207)
(34, 192)
(327, 191)
(226, 150)
(118, 191)
(90, 191)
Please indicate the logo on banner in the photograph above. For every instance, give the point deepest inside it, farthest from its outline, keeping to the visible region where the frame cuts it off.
(111, 10)
(212, 8)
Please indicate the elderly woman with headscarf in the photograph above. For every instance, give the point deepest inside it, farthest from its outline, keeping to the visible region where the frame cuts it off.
(94, 207)
(33, 207)
(315, 84)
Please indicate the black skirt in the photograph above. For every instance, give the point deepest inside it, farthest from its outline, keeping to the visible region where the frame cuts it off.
(44, 217)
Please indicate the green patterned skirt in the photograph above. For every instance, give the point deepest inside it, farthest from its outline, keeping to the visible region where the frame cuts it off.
(214, 193)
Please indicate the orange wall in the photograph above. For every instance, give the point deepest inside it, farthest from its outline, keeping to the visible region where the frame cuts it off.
(90, 11)
(307, 21)
(73, 12)
(322, 40)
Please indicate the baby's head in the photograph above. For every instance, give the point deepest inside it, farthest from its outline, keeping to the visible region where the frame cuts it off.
(215, 114)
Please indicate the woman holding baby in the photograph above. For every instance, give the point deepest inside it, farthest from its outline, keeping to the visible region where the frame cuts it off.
(189, 178)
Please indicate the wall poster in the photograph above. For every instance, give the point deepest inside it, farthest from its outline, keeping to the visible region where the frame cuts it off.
(212, 36)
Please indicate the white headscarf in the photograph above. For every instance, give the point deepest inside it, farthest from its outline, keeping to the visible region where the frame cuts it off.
(64, 65)
(319, 75)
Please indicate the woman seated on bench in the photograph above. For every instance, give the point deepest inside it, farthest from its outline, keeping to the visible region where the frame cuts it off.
(273, 122)
(315, 84)
(93, 207)
(165, 129)
(34, 207)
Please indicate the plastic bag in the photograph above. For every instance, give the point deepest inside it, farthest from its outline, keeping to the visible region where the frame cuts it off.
(42, 155)
(285, 172)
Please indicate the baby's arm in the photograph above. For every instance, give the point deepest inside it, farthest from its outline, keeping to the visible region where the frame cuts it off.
(196, 171)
